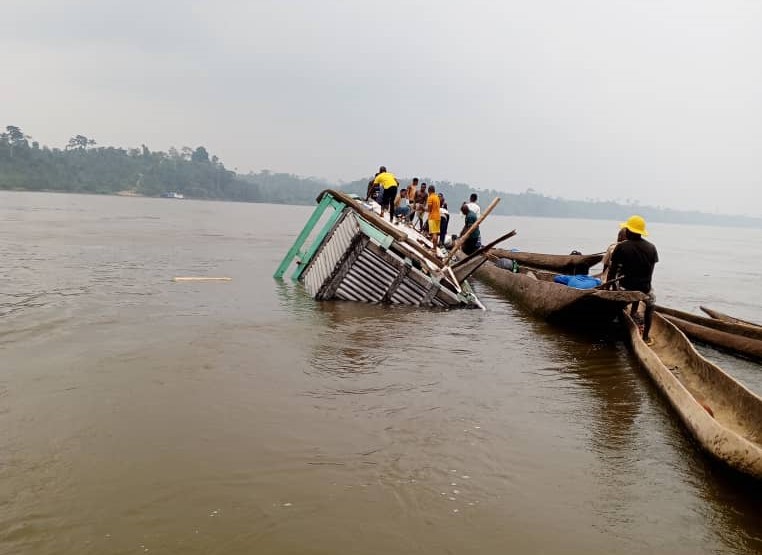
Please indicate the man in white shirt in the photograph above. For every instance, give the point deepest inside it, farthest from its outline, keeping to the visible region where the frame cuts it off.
(472, 206)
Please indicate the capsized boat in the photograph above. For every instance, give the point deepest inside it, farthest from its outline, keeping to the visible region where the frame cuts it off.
(741, 339)
(346, 251)
(723, 415)
(536, 291)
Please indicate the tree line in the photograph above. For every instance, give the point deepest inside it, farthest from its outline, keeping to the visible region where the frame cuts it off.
(83, 166)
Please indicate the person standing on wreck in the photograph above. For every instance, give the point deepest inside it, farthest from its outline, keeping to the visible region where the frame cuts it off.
(474, 240)
(389, 184)
(634, 259)
(432, 207)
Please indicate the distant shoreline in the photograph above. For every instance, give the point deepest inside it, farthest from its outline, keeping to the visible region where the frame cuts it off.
(748, 222)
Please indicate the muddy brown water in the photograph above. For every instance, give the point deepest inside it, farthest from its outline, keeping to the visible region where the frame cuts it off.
(138, 415)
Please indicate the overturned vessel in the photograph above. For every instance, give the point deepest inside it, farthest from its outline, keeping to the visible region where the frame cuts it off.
(346, 251)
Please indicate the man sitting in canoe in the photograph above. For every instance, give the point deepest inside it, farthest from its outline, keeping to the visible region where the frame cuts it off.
(634, 260)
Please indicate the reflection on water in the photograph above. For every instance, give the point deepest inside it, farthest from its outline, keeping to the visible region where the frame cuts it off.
(357, 339)
(140, 414)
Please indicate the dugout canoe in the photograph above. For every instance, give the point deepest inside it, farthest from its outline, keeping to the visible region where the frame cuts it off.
(561, 263)
(727, 318)
(536, 291)
(723, 415)
(739, 339)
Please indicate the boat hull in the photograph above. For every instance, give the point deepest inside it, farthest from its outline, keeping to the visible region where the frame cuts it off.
(720, 413)
(727, 318)
(736, 338)
(554, 301)
(562, 263)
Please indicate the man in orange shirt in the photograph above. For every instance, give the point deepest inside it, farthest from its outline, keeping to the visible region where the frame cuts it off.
(432, 207)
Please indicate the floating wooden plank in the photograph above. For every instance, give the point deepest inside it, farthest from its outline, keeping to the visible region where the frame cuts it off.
(201, 278)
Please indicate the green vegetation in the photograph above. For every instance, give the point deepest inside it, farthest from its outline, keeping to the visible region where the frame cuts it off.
(84, 167)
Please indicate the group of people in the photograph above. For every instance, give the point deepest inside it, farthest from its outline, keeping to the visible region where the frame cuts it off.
(628, 263)
(422, 207)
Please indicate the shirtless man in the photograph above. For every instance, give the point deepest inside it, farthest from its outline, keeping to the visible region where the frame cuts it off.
(420, 205)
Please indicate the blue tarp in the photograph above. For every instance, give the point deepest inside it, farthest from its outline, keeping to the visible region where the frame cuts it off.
(578, 282)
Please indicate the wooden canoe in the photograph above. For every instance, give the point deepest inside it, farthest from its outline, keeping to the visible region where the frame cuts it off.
(727, 318)
(740, 339)
(536, 291)
(723, 415)
(561, 263)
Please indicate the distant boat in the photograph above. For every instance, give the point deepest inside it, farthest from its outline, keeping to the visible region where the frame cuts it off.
(172, 194)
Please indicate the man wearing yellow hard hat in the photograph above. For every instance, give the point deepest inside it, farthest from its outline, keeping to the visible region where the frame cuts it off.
(634, 260)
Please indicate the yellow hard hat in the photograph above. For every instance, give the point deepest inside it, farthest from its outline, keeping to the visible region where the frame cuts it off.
(636, 224)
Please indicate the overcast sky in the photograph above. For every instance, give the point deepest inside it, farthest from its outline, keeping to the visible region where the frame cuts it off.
(655, 101)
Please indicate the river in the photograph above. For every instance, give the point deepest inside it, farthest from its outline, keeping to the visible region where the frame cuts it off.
(139, 415)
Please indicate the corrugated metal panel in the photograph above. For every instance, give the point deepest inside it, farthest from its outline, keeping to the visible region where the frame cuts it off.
(445, 297)
(368, 279)
(324, 262)
(371, 277)
(409, 292)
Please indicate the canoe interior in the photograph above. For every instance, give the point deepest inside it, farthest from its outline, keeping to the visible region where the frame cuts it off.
(723, 415)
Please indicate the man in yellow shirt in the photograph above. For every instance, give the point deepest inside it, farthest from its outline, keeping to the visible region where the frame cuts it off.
(390, 184)
(432, 207)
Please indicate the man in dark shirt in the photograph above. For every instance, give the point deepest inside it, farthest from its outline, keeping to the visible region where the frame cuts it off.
(473, 242)
(634, 259)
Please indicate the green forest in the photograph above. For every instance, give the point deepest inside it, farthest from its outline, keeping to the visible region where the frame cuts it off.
(84, 166)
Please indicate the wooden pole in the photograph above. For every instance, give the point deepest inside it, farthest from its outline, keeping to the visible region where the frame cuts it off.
(461, 240)
(485, 248)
